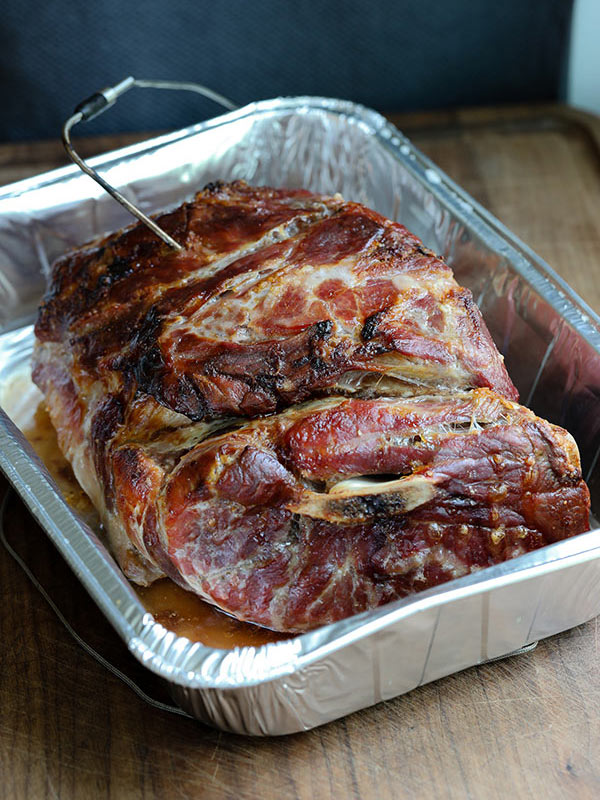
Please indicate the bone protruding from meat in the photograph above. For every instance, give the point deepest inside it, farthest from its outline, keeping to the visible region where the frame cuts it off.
(361, 499)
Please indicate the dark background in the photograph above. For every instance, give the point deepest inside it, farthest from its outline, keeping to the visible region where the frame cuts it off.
(385, 54)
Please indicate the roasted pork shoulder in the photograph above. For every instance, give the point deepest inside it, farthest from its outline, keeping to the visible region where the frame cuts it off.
(301, 416)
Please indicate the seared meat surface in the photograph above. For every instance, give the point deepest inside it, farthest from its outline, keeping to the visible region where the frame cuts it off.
(299, 417)
(278, 296)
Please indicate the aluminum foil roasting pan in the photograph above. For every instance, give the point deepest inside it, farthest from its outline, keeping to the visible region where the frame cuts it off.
(550, 339)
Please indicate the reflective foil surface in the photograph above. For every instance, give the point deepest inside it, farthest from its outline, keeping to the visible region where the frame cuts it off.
(550, 340)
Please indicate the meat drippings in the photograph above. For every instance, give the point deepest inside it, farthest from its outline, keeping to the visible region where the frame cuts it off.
(174, 608)
(187, 615)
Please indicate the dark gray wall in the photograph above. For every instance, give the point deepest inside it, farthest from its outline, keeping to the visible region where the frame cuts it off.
(386, 54)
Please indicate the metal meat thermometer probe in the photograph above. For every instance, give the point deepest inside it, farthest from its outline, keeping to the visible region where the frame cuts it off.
(96, 104)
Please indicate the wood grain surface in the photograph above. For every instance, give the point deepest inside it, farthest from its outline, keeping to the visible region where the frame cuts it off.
(527, 726)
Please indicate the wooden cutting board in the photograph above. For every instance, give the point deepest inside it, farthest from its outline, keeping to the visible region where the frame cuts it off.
(527, 726)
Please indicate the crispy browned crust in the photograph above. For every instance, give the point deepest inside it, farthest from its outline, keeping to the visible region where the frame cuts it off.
(152, 363)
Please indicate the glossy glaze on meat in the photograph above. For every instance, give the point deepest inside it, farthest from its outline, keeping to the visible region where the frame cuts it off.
(352, 351)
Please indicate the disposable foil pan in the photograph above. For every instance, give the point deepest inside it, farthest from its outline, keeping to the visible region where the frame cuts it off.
(549, 337)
